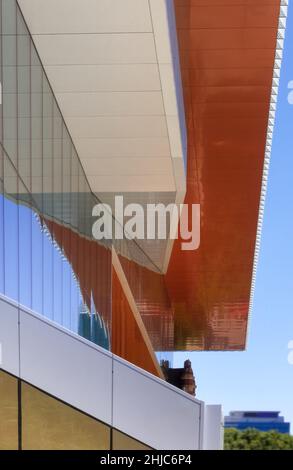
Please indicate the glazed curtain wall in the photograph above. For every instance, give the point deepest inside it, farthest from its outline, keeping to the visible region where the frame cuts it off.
(46, 423)
(49, 261)
(45, 201)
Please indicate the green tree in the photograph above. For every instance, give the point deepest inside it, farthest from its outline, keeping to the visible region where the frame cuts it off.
(252, 439)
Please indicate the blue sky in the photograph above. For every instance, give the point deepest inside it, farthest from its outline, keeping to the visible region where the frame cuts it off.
(262, 378)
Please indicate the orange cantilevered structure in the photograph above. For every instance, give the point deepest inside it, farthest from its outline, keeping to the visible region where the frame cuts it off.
(227, 52)
(230, 55)
(229, 58)
(190, 119)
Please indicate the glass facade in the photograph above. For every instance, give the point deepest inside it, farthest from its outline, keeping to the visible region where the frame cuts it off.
(32, 420)
(45, 200)
(260, 420)
(49, 261)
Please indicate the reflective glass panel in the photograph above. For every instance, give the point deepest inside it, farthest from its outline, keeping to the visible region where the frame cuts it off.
(48, 424)
(123, 442)
(8, 412)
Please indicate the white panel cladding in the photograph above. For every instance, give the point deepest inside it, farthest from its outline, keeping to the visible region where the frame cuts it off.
(65, 366)
(101, 384)
(86, 16)
(123, 103)
(129, 183)
(146, 167)
(213, 435)
(164, 24)
(155, 412)
(114, 58)
(117, 127)
(71, 49)
(113, 77)
(9, 340)
(138, 147)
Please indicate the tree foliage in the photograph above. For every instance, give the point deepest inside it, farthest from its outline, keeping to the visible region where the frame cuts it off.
(252, 439)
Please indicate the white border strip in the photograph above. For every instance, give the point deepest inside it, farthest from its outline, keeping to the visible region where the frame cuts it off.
(166, 41)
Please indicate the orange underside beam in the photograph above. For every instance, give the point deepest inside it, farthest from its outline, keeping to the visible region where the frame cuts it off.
(227, 52)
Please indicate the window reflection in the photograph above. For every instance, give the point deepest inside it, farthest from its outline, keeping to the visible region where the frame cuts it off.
(10, 223)
(48, 260)
(50, 287)
(25, 254)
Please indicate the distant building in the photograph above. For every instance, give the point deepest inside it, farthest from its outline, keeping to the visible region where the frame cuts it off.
(261, 420)
(182, 378)
(164, 356)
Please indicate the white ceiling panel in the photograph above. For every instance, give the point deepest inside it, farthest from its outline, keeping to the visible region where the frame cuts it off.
(113, 66)
(111, 104)
(117, 127)
(91, 78)
(128, 166)
(86, 16)
(129, 183)
(95, 49)
(134, 147)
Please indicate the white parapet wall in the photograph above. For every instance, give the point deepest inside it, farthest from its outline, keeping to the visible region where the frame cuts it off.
(213, 433)
(101, 384)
